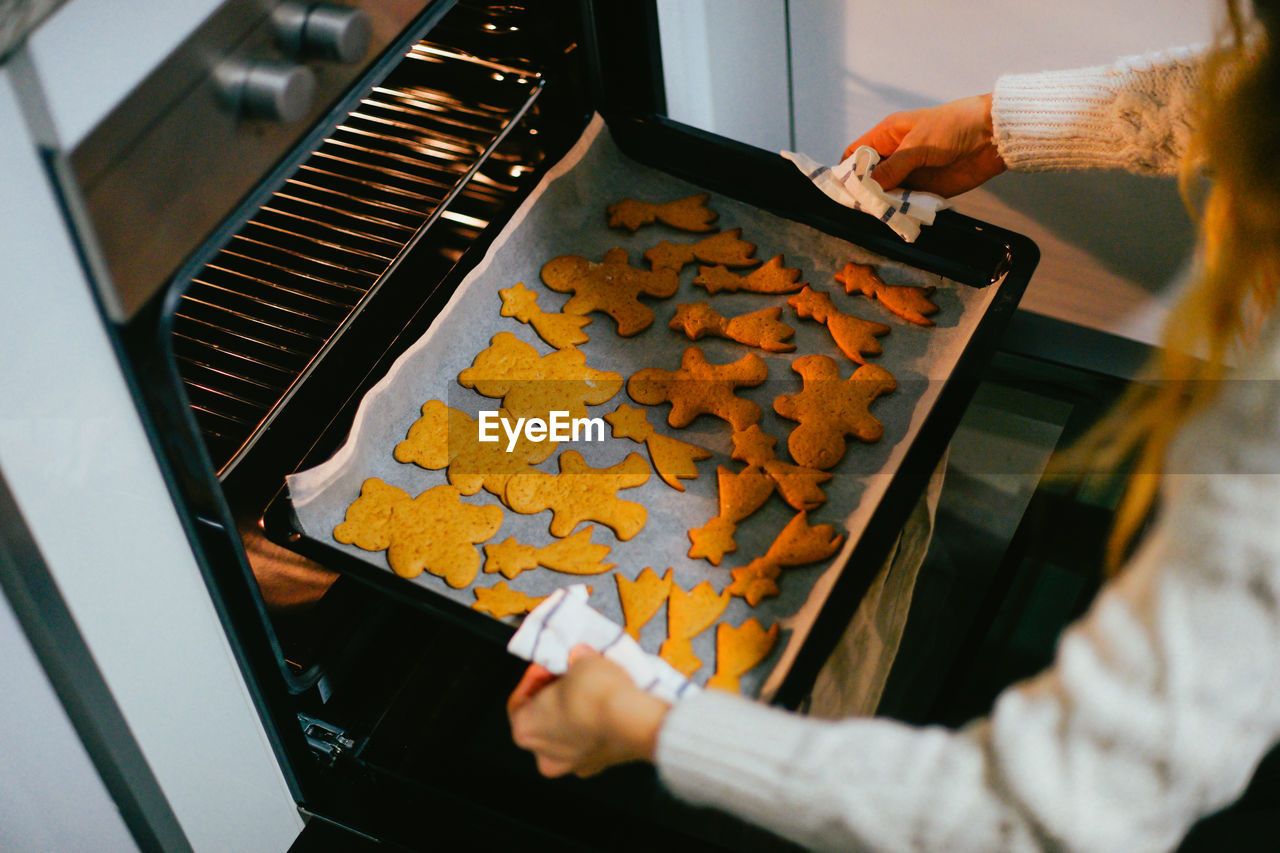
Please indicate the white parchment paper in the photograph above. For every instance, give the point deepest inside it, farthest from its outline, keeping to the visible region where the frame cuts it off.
(565, 215)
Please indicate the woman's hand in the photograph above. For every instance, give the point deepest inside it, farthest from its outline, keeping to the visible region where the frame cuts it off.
(590, 718)
(946, 150)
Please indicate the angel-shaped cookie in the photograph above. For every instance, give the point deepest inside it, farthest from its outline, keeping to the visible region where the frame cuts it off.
(740, 649)
(688, 615)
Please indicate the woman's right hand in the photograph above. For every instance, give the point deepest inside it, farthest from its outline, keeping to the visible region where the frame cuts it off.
(948, 149)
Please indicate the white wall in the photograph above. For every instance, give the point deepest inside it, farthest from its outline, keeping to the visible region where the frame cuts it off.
(724, 63)
(1110, 241)
(74, 452)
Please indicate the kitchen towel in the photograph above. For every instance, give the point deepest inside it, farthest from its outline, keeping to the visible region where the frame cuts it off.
(851, 184)
(565, 620)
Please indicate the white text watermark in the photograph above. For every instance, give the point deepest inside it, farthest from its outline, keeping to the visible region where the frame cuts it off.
(557, 427)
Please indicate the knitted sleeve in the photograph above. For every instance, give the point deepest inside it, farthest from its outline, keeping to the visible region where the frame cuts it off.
(1135, 115)
(1159, 704)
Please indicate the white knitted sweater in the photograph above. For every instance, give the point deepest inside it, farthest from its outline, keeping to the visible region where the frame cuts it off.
(1161, 700)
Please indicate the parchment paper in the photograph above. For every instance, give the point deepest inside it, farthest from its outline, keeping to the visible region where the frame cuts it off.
(565, 215)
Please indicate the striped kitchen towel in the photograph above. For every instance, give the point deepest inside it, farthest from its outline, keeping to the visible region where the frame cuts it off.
(565, 619)
(851, 184)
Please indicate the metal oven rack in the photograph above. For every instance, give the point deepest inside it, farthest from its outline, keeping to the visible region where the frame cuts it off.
(264, 309)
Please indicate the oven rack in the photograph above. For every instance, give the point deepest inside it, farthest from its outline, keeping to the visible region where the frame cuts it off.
(417, 150)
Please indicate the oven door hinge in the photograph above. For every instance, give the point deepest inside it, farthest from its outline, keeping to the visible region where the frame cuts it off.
(330, 743)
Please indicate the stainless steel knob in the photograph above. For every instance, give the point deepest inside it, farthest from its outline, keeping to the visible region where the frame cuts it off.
(280, 91)
(323, 30)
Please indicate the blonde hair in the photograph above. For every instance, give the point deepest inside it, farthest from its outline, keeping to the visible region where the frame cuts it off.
(1237, 146)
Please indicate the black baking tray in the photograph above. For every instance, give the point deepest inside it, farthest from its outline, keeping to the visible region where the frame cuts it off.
(960, 248)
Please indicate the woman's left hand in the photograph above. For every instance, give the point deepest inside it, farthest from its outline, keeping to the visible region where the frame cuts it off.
(586, 720)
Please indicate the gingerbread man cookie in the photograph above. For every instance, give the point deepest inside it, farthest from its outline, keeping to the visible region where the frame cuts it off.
(726, 248)
(757, 329)
(687, 214)
(908, 302)
(855, 337)
(435, 531)
(701, 388)
(531, 385)
(582, 493)
(559, 330)
(798, 543)
(688, 615)
(673, 459)
(612, 286)
(772, 278)
(830, 408)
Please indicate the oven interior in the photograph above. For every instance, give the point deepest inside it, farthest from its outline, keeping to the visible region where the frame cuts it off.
(390, 718)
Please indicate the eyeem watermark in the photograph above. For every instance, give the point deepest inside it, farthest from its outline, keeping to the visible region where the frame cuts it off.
(557, 427)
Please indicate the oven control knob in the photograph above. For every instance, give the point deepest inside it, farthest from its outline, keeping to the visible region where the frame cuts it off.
(279, 91)
(323, 30)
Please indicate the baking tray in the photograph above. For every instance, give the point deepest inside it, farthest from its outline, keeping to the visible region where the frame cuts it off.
(963, 251)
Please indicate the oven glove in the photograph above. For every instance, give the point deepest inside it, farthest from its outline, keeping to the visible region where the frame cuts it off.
(851, 184)
(565, 620)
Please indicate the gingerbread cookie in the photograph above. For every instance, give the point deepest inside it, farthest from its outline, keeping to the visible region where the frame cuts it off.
(574, 555)
(771, 278)
(500, 601)
(740, 495)
(531, 385)
(581, 493)
(445, 437)
(726, 248)
(701, 388)
(687, 214)
(797, 544)
(688, 615)
(641, 598)
(908, 302)
(673, 459)
(830, 408)
(740, 649)
(855, 337)
(612, 286)
(368, 520)
(435, 531)
(559, 330)
(757, 329)
(798, 486)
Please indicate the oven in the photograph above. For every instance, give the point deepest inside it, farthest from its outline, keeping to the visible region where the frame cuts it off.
(265, 223)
